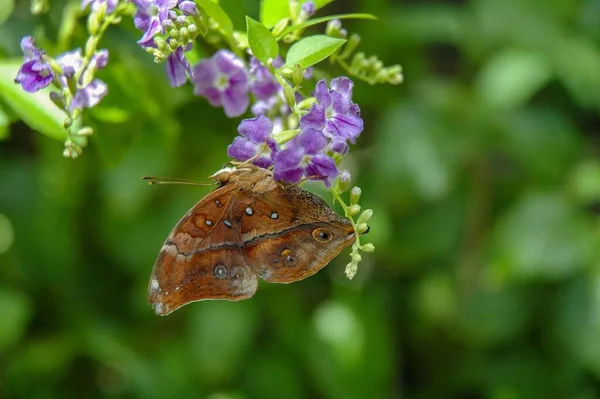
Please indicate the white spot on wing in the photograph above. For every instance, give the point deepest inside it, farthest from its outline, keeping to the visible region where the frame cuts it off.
(249, 211)
(274, 215)
(154, 284)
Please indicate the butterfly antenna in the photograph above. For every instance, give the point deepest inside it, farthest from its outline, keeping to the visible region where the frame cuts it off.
(173, 180)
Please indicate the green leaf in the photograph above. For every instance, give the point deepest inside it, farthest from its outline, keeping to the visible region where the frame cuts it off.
(317, 21)
(261, 41)
(272, 11)
(6, 9)
(214, 11)
(312, 50)
(35, 109)
(16, 312)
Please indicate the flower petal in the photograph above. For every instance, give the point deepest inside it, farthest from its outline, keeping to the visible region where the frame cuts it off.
(322, 94)
(315, 118)
(257, 129)
(311, 140)
(234, 102)
(342, 85)
(227, 62)
(242, 149)
(321, 167)
(347, 126)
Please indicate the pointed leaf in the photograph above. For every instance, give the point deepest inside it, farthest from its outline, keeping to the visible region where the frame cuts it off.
(261, 41)
(312, 50)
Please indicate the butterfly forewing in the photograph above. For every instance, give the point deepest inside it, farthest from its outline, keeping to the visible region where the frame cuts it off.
(202, 258)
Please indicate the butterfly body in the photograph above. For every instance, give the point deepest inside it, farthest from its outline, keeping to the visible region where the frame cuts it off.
(251, 226)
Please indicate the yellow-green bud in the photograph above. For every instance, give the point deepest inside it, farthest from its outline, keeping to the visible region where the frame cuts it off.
(353, 210)
(280, 27)
(362, 228)
(355, 195)
(365, 216)
(368, 247)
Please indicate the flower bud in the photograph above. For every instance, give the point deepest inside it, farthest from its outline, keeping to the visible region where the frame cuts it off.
(356, 257)
(57, 99)
(362, 228)
(353, 210)
(365, 216)
(85, 131)
(161, 44)
(355, 195)
(368, 247)
(280, 27)
(297, 75)
(181, 20)
(185, 35)
(333, 28)
(188, 7)
(351, 269)
(288, 94)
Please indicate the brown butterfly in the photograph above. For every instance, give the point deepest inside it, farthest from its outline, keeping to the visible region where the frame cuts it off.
(251, 226)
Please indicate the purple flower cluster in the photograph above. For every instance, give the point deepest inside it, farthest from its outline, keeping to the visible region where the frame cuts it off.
(36, 73)
(153, 17)
(333, 121)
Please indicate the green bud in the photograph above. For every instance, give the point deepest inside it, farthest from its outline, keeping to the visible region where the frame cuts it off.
(297, 75)
(307, 103)
(185, 35)
(280, 27)
(356, 257)
(294, 9)
(95, 19)
(362, 228)
(161, 44)
(85, 131)
(90, 47)
(394, 74)
(368, 247)
(173, 44)
(333, 28)
(285, 135)
(288, 94)
(355, 195)
(67, 122)
(365, 216)
(57, 99)
(353, 210)
(175, 34)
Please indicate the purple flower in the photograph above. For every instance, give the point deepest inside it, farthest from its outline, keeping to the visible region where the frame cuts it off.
(110, 4)
(262, 84)
(334, 114)
(305, 156)
(255, 141)
(149, 17)
(223, 81)
(93, 92)
(34, 74)
(178, 68)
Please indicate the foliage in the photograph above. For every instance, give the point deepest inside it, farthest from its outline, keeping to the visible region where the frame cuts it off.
(482, 170)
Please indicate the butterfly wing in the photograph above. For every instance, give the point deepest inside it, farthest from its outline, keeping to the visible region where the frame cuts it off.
(202, 258)
(288, 233)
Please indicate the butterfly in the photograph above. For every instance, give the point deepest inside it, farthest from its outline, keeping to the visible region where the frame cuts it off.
(251, 226)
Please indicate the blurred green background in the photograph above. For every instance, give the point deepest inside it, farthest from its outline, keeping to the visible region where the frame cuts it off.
(483, 172)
